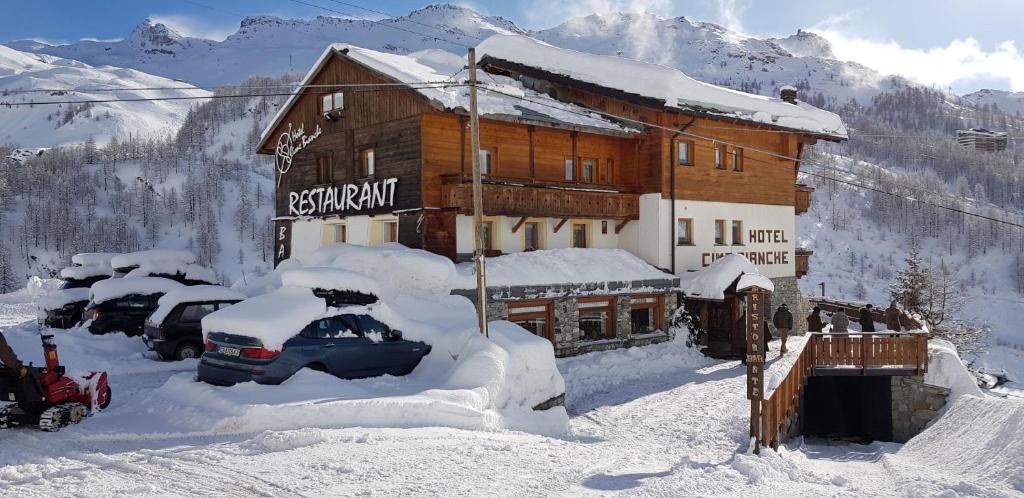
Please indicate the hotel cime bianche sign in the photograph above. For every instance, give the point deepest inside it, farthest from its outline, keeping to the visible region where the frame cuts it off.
(290, 143)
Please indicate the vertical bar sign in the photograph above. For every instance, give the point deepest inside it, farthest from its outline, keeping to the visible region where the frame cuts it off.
(755, 343)
(282, 241)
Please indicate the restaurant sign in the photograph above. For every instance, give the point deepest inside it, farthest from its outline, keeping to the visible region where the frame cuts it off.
(348, 197)
(756, 302)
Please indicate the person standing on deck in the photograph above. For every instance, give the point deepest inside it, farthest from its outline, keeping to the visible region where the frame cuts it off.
(783, 321)
(892, 317)
(814, 323)
(840, 322)
(867, 323)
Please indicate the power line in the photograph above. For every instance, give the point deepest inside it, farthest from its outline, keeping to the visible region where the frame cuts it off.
(218, 87)
(379, 23)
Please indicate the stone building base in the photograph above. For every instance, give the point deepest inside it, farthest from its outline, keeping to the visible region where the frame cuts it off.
(914, 405)
(787, 290)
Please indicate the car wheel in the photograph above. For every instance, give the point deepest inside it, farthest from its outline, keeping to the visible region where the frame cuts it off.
(186, 351)
(319, 367)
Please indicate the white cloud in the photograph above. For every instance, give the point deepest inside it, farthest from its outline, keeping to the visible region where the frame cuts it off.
(959, 62)
(730, 14)
(194, 28)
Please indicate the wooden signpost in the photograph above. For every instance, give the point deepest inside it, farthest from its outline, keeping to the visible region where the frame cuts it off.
(757, 299)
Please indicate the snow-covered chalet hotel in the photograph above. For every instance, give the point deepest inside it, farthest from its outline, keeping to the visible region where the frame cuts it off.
(578, 150)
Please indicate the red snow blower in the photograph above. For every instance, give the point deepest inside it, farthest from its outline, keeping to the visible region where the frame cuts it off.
(49, 398)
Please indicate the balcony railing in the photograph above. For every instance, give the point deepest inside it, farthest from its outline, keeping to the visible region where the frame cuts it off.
(803, 262)
(510, 197)
(803, 198)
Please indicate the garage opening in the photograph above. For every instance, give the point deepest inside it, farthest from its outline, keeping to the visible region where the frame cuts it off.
(847, 407)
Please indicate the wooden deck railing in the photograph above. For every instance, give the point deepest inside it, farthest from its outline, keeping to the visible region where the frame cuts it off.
(511, 198)
(882, 353)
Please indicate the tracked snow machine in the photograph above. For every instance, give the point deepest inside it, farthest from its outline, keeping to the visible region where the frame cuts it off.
(47, 396)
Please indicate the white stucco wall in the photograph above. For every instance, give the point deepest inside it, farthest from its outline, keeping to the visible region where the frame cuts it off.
(509, 242)
(769, 235)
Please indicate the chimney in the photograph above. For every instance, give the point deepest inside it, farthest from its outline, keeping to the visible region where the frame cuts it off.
(788, 94)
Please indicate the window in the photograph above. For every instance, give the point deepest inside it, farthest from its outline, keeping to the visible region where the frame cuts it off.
(196, 312)
(488, 233)
(324, 170)
(684, 231)
(737, 159)
(685, 152)
(597, 318)
(609, 172)
(390, 233)
(579, 235)
(341, 232)
(719, 232)
(570, 170)
(588, 169)
(332, 102)
(604, 226)
(737, 233)
(366, 163)
(720, 156)
(486, 162)
(330, 328)
(645, 314)
(534, 316)
(373, 329)
(531, 236)
(140, 301)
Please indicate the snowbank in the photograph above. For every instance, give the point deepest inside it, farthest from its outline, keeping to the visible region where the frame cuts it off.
(61, 297)
(659, 82)
(559, 266)
(945, 369)
(192, 294)
(712, 281)
(261, 284)
(466, 381)
(152, 257)
(113, 288)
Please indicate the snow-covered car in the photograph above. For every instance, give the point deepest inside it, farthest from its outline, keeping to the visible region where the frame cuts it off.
(123, 304)
(63, 308)
(174, 331)
(177, 265)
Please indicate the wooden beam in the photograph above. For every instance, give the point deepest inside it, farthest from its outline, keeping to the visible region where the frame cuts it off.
(533, 164)
(558, 226)
(515, 228)
(620, 225)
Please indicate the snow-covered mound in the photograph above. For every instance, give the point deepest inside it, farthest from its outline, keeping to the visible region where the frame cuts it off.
(190, 271)
(663, 83)
(113, 288)
(153, 258)
(192, 294)
(93, 258)
(24, 75)
(467, 380)
(84, 272)
(946, 369)
(59, 298)
(558, 266)
(712, 281)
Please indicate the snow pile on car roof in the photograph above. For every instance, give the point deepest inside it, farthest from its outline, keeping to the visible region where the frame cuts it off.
(663, 83)
(59, 298)
(190, 271)
(559, 266)
(84, 272)
(466, 381)
(93, 258)
(254, 285)
(153, 257)
(113, 288)
(711, 282)
(192, 294)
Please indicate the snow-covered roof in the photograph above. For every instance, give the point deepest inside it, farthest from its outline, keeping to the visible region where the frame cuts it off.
(57, 299)
(561, 266)
(113, 288)
(273, 318)
(438, 66)
(93, 258)
(712, 281)
(84, 272)
(152, 257)
(330, 279)
(663, 83)
(192, 294)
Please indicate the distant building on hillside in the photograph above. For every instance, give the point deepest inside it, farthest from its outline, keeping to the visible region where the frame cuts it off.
(982, 140)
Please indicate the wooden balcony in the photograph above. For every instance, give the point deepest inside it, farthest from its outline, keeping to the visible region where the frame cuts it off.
(509, 197)
(803, 198)
(803, 262)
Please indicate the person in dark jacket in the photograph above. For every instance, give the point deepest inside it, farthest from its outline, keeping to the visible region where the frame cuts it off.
(867, 323)
(814, 323)
(892, 317)
(9, 359)
(783, 321)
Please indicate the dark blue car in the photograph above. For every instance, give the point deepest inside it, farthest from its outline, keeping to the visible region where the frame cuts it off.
(349, 346)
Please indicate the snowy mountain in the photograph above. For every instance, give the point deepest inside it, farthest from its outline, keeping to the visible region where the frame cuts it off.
(27, 77)
(1010, 102)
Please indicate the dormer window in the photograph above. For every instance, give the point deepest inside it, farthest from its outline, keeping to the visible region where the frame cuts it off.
(332, 105)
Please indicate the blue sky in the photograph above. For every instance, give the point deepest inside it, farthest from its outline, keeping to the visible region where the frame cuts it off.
(947, 43)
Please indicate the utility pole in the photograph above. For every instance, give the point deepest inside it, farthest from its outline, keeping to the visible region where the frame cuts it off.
(478, 200)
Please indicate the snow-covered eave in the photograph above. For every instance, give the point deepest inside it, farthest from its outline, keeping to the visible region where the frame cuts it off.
(651, 102)
(625, 132)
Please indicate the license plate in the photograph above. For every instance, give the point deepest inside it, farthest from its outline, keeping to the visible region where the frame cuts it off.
(229, 351)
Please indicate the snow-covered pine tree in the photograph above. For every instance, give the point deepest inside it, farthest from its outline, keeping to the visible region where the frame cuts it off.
(908, 288)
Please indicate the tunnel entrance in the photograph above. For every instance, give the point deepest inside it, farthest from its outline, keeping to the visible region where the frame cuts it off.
(847, 407)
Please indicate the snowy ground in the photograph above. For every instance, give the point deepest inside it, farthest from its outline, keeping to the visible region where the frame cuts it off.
(656, 421)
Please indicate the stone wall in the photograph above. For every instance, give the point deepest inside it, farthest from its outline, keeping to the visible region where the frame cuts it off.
(787, 290)
(914, 405)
